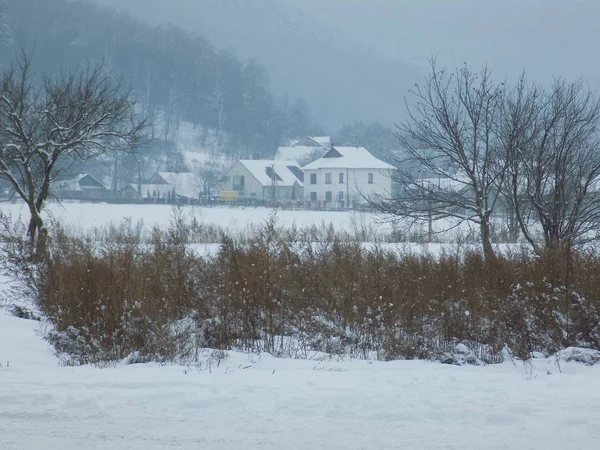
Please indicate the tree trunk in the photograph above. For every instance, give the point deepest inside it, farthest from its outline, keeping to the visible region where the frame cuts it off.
(488, 249)
(512, 223)
(36, 233)
(35, 224)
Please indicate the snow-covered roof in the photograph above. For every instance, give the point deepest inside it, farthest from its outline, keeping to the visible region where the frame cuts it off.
(348, 158)
(186, 184)
(297, 153)
(323, 140)
(285, 173)
(74, 184)
(312, 141)
(165, 190)
(155, 190)
(445, 184)
(180, 178)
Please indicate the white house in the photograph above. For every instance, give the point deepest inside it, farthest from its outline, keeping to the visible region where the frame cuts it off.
(305, 150)
(344, 176)
(182, 184)
(83, 187)
(266, 179)
(163, 185)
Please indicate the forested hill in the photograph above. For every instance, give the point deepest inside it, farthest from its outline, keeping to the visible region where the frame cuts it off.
(174, 74)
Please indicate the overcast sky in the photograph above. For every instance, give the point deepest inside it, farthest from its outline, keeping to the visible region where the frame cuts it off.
(545, 37)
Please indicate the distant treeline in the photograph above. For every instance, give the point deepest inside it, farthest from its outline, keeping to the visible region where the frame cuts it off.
(175, 75)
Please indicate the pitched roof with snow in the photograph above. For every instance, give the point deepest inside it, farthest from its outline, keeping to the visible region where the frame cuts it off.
(283, 173)
(297, 153)
(456, 184)
(348, 158)
(82, 181)
(186, 184)
(323, 140)
(180, 178)
(314, 141)
(152, 190)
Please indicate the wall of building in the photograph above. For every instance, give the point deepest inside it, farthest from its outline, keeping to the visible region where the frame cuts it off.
(284, 193)
(254, 189)
(251, 185)
(355, 185)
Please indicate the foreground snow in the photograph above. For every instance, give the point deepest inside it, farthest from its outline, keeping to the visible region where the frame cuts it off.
(252, 402)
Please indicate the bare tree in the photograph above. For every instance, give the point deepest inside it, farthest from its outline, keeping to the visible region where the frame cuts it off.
(451, 165)
(148, 81)
(210, 174)
(171, 114)
(554, 170)
(46, 126)
(6, 38)
(217, 103)
(517, 128)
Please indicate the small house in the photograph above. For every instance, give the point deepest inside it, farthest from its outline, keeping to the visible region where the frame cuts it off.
(183, 185)
(266, 179)
(82, 187)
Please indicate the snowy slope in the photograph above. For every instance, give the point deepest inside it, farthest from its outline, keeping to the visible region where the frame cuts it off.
(253, 402)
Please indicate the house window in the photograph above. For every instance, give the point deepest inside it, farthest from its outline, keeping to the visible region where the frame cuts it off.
(239, 183)
(313, 178)
(370, 177)
(328, 196)
(313, 196)
(341, 177)
(341, 195)
(328, 178)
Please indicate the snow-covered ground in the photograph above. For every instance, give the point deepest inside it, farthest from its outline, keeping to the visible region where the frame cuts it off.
(89, 215)
(259, 402)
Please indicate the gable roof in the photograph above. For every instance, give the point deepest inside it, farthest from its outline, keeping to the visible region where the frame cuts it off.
(314, 141)
(151, 190)
(186, 184)
(297, 171)
(298, 153)
(284, 173)
(348, 158)
(323, 140)
(82, 181)
(180, 178)
(456, 184)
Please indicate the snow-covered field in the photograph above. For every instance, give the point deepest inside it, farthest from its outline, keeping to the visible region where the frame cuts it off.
(259, 402)
(89, 215)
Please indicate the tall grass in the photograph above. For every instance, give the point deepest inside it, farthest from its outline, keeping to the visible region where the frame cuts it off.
(128, 293)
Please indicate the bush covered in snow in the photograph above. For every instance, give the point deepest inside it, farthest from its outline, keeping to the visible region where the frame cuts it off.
(120, 296)
(582, 355)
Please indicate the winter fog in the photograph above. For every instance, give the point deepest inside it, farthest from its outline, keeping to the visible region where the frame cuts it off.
(354, 59)
(299, 224)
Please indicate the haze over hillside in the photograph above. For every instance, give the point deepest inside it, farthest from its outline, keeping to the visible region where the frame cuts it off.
(341, 79)
(354, 59)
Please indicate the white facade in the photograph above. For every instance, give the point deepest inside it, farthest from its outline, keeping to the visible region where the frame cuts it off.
(344, 177)
(265, 179)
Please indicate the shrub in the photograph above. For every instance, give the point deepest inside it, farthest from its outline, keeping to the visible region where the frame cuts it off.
(127, 295)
